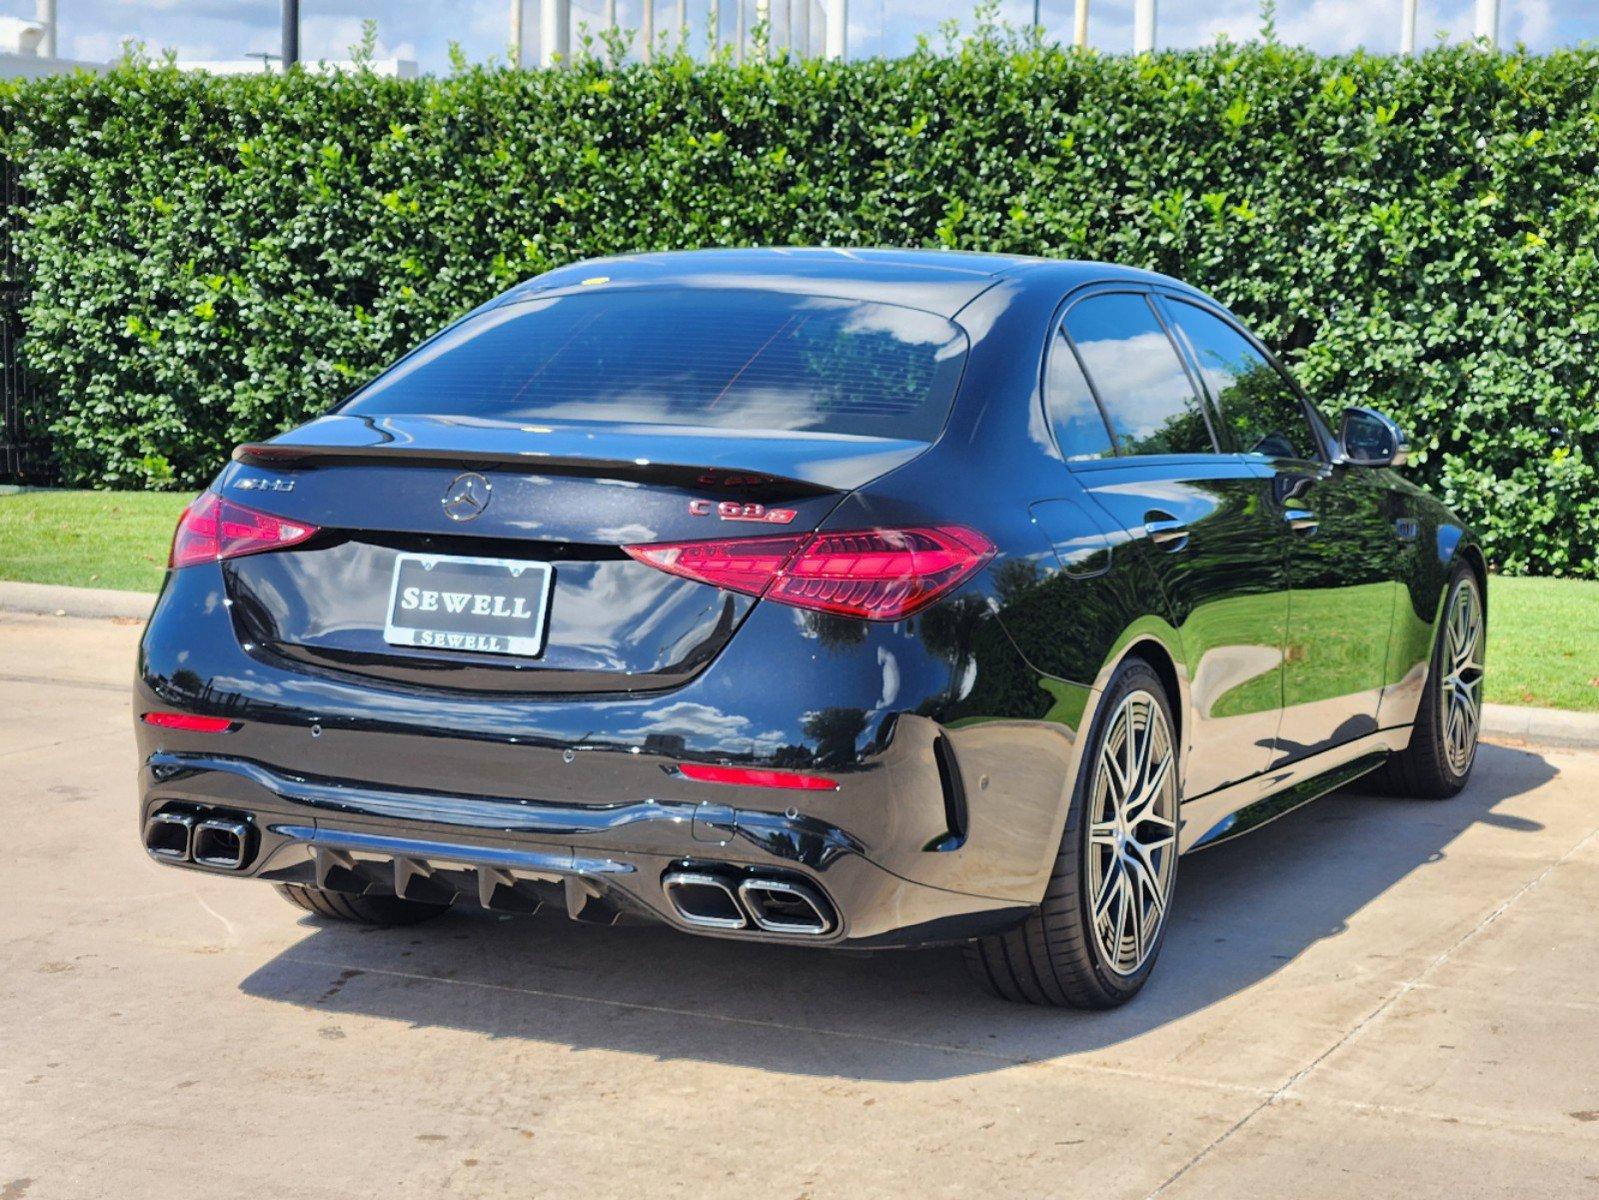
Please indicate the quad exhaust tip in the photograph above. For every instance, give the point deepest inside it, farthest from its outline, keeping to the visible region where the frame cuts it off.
(780, 906)
(703, 900)
(169, 834)
(218, 840)
(221, 843)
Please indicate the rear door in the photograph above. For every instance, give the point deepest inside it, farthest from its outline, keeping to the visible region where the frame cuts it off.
(1341, 552)
(1203, 521)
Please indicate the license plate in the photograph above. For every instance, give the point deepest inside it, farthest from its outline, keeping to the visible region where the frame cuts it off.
(479, 605)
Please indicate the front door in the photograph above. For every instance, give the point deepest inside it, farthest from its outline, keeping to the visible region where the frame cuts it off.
(1341, 553)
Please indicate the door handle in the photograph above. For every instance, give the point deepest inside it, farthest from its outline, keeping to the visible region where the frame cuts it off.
(1301, 520)
(1165, 530)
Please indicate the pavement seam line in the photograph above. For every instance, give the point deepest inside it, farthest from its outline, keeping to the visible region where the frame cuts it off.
(44, 681)
(760, 1023)
(1404, 989)
(1403, 1110)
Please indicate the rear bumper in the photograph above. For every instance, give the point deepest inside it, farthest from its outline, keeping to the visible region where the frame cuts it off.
(600, 864)
(583, 780)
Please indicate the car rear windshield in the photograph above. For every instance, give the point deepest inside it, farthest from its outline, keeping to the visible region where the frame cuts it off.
(737, 359)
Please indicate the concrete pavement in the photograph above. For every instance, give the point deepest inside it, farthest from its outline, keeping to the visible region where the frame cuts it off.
(1369, 998)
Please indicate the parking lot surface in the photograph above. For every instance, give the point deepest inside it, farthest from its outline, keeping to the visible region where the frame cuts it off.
(1368, 998)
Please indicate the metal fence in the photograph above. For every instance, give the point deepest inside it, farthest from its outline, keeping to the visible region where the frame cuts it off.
(22, 457)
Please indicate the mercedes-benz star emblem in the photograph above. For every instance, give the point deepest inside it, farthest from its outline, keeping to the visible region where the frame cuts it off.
(466, 497)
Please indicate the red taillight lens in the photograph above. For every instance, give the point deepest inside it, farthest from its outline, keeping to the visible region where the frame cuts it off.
(212, 528)
(187, 722)
(755, 777)
(878, 574)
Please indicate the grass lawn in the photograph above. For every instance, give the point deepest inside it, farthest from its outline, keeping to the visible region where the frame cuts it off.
(89, 539)
(1543, 643)
(1543, 634)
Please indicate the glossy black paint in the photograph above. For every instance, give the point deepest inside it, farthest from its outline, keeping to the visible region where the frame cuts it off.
(1293, 655)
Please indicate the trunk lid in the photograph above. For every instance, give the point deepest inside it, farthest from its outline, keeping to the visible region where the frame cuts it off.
(555, 500)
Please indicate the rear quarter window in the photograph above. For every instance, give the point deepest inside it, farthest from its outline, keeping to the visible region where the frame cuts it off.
(1139, 377)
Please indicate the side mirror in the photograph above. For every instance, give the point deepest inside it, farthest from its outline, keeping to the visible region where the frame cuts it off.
(1369, 439)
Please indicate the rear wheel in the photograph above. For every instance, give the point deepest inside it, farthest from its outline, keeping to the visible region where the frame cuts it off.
(1443, 743)
(1093, 941)
(362, 910)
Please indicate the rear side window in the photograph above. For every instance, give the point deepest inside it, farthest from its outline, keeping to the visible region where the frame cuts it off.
(1139, 377)
(1079, 428)
(743, 360)
(1258, 406)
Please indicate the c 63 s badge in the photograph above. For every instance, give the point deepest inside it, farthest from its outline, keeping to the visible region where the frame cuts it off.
(734, 510)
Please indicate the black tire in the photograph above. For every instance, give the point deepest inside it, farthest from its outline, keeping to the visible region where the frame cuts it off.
(1422, 770)
(362, 910)
(1053, 958)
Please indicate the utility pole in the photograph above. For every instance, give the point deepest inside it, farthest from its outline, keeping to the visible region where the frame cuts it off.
(1143, 26)
(1488, 21)
(44, 12)
(291, 33)
(1080, 27)
(838, 29)
(1037, 4)
(1407, 27)
(646, 30)
(516, 34)
(555, 30)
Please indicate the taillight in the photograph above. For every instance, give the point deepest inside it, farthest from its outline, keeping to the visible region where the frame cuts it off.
(212, 529)
(187, 722)
(756, 777)
(878, 574)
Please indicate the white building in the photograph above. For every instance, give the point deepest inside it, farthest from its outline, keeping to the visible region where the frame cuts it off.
(28, 48)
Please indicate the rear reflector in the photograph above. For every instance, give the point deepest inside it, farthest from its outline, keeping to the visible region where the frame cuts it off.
(878, 574)
(212, 529)
(755, 777)
(187, 722)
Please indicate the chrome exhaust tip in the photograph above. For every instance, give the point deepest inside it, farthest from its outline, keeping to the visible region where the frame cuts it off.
(779, 906)
(703, 900)
(221, 843)
(170, 835)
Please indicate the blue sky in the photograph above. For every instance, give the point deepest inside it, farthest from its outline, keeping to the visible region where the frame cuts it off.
(422, 30)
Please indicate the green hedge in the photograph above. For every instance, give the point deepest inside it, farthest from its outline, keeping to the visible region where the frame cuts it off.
(213, 259)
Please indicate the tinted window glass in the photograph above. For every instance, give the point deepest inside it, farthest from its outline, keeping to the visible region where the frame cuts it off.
(1079, 428)
(1140, 378)
(733, 359)
(1257, 404)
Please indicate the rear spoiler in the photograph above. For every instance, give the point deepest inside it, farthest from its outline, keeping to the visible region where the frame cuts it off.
(289, 456)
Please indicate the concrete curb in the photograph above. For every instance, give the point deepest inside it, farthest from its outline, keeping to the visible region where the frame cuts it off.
(1546, 726)
(54, 600)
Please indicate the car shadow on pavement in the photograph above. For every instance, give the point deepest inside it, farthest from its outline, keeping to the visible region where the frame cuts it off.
(1245, 910)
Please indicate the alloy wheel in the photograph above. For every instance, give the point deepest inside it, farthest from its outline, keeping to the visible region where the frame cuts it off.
(1132, 837)
(1461, 690)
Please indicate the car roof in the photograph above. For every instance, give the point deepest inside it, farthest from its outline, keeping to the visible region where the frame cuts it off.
(939, 281)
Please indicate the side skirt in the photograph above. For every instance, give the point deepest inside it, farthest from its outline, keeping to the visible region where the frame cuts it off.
(1241, 807)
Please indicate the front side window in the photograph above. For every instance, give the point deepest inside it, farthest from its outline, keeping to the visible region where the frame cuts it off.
(1139, 377)
(691, 357)
(1258, 406)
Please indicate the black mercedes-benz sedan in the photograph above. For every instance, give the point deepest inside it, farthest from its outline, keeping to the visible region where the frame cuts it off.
(842, 598)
